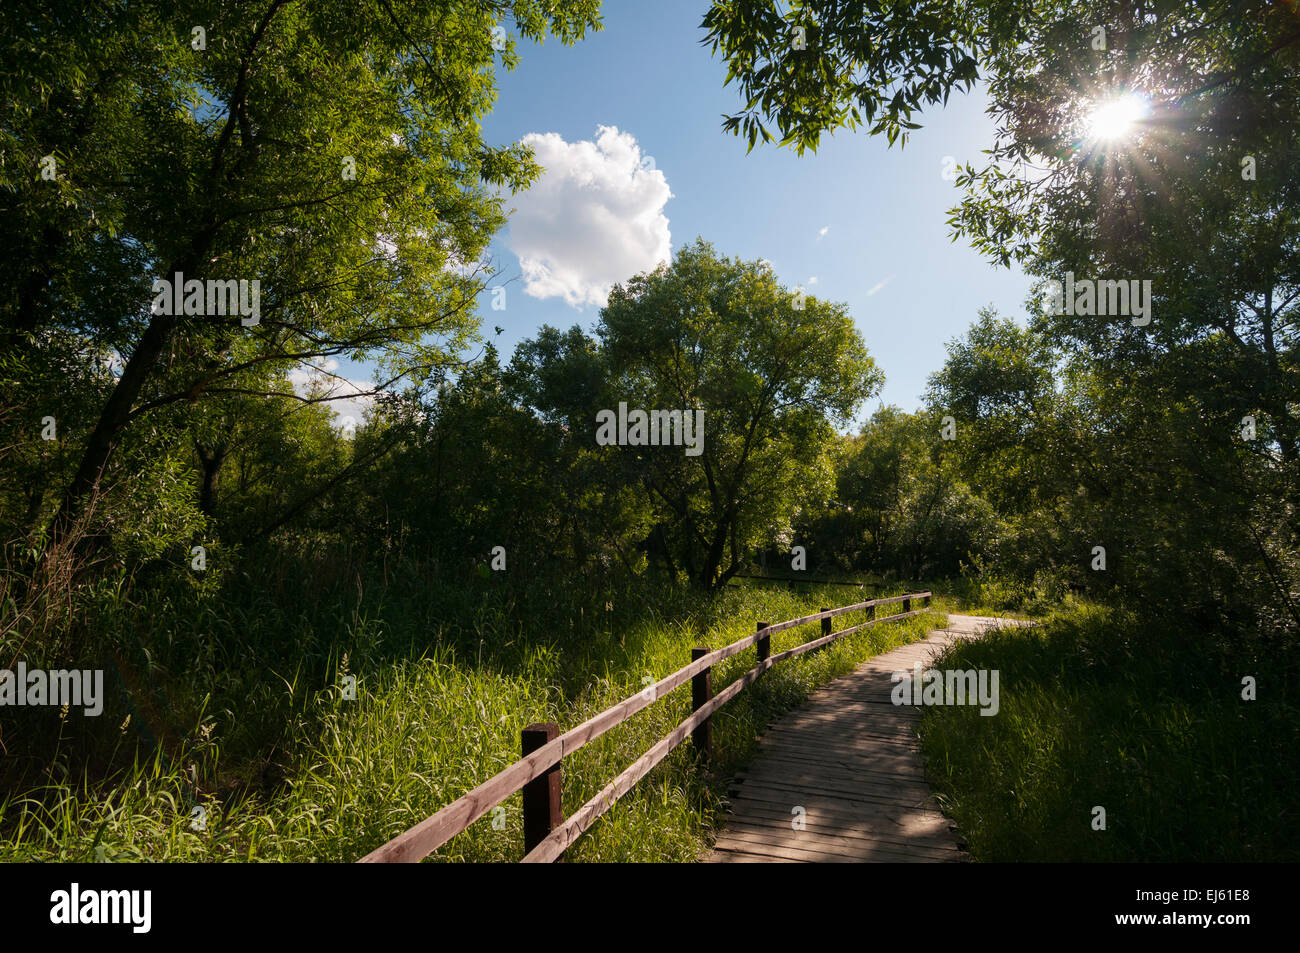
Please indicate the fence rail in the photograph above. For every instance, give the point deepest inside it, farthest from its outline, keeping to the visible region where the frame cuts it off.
(537, 774)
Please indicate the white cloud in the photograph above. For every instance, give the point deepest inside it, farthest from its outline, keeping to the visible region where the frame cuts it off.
(824, 230)
(351, 399)
(878, 285)
(594, 218)
(812, 280)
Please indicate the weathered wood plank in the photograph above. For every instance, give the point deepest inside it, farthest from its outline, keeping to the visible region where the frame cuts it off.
(839, 848)
(931, 831)
(889, 766)
(796, 794)
(819, 778)
(929, 827)
(848, 839)
(733, 855)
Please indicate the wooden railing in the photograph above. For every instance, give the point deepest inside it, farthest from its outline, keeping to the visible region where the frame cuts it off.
(537, 774)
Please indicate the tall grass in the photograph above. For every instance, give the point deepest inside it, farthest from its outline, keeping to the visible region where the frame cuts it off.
(228, 735)
(1099, 711)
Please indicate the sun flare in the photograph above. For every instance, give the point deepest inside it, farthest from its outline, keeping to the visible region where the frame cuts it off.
(1115, 119)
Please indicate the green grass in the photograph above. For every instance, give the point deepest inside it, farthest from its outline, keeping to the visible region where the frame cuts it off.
(1099, 711)
(233, 692)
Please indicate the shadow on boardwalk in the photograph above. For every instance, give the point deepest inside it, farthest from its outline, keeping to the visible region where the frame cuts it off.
(841, 780)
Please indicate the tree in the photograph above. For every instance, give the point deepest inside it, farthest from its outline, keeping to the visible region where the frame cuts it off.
(479, 467)
(330, 151)
(998, 387)
(901, 508)
(822, 64)
(772, 371)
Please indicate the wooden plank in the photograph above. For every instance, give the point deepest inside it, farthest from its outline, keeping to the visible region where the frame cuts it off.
(734, 855)
(853, 829)
(873, 724)
(868, 744)
(856, 607)
(791, 774)
(861, 775)
(798, 761)
(893, 836)
(924, 824)
(793, 795)
(896, 764)
(862, 800)
(869, 748)
(939, 836)
(859, 849)
(815, 851)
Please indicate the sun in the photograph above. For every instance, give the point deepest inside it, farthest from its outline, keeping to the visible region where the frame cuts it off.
(1115, 119)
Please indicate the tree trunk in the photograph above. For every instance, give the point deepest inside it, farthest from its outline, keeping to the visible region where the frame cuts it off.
(210, 464)
(103, 440)
(708, 576)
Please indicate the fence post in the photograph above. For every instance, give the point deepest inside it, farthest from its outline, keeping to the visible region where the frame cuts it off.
(826, 623)
(701, 692)
(765, 643)
(907, 605)
(542, 810)
(871, 612)
(927, 600)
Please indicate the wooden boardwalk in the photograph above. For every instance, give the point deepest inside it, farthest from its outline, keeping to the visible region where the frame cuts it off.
(848, 767)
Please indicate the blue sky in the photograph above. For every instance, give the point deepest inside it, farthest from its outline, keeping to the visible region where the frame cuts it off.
(886, 250)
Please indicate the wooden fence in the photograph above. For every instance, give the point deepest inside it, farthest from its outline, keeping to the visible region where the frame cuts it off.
(547, 834)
